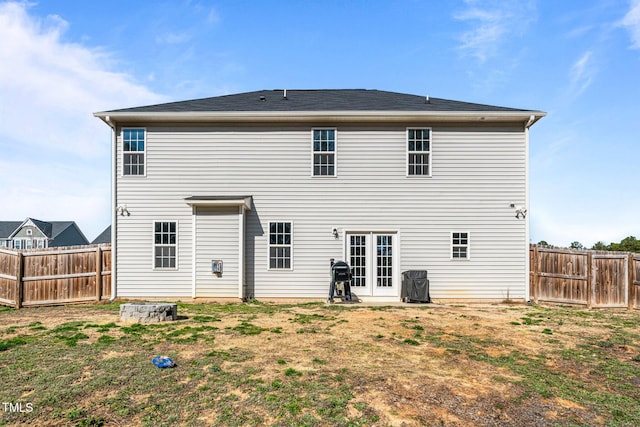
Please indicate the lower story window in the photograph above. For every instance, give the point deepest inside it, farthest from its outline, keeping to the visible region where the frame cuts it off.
(280, 245)
(459, 245)
(164, 244)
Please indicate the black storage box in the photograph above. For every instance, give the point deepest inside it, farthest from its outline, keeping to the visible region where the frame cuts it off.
(415, 286)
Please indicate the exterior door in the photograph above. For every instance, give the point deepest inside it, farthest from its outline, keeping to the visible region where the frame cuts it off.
(373, 261)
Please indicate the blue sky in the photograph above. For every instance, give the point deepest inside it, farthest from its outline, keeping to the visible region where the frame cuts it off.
(579, 61)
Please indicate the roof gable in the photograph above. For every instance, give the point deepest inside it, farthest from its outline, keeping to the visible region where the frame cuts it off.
(43, 226)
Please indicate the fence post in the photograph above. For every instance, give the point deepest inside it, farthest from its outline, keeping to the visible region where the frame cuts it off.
(98, 273)
(630, 286)
(19, 284)
(533, 280)
(589, 279)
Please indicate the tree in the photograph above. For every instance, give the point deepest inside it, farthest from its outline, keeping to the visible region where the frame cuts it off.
(600, 246)
(576, 245)
(543, 243)
(628, 244)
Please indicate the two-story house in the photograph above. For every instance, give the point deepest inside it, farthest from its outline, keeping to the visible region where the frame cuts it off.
(35, 234)
(252, 195)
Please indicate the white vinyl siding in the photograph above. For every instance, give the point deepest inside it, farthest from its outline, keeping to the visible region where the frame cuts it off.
(476, 172)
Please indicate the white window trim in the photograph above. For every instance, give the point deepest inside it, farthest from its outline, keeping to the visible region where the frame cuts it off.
(153, 245)
(269, 246)
(29, 232)
(122, 152)
(406, 150)
(468, 246)
(335, 154)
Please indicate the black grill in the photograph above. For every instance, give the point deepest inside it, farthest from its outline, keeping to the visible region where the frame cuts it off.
(340, 274)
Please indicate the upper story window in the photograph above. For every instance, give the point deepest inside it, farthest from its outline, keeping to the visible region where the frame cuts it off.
(280, 245)
(324, 152)
(459, 245)
(133, 151)
(165, 244)
(419, 152)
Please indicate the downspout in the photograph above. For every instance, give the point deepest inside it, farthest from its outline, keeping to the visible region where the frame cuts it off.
(527, 276)
(114, 217)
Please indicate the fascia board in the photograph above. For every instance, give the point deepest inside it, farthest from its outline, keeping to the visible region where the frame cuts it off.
(333, 116)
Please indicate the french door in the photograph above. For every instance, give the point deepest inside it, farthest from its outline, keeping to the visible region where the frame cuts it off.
(373, 261)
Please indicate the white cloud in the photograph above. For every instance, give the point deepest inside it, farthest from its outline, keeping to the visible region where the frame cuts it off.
(632, 22)
(173, 38)
(55, 157)
(582, 73)
(492, 23)
(52, 87)
(213, 17)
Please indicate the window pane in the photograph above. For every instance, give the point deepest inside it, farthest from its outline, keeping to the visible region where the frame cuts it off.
(279, 245)
(323, 152)
(165, 239)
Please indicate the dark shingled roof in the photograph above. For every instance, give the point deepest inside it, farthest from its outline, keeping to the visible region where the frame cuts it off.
(104, 237)
(317, 100)
(8, 227)
(51, 229)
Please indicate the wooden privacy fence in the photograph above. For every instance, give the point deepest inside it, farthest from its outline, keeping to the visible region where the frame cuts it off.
(591, 278)
(55, 276)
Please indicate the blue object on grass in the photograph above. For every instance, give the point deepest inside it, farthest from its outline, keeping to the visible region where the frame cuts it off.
(163, 362)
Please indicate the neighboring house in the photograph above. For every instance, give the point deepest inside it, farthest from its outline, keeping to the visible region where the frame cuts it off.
(32, 234)
(275, 184)
(104, 237)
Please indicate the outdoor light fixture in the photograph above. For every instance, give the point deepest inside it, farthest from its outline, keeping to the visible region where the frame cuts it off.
(521, 212)
(335, 233)
(122, 210)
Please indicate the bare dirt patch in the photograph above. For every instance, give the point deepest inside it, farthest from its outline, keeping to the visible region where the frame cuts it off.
(311, 364)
